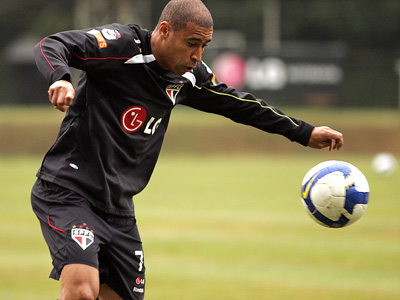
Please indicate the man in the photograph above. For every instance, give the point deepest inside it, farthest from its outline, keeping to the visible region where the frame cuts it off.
(112, 133)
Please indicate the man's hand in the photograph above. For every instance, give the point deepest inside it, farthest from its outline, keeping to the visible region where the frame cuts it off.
(61, 94)
(323, 136)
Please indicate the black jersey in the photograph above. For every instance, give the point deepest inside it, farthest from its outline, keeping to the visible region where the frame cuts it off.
(112, 133)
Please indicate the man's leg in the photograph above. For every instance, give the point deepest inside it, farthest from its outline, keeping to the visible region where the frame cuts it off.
(79, 282)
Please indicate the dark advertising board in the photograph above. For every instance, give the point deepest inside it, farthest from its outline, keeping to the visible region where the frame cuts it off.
(298, 74)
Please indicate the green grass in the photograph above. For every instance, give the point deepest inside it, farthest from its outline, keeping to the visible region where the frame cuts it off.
(34, 129)
(24, 258)
(217, 223)
(225, 227)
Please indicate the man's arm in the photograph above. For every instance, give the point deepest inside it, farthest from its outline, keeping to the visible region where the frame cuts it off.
(244, 108)
(212, 96)
(53, 56)
(85, 50)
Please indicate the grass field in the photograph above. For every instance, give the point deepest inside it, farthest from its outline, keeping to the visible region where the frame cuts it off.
(225, 226)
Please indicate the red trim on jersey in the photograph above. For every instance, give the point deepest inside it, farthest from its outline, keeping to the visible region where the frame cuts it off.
(48, 220)
(45, 55)
(100, 58)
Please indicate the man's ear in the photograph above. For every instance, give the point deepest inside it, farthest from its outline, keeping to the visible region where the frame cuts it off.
(164, 29)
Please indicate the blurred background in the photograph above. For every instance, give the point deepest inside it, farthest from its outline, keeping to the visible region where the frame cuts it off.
(317, 52)
(222, 216)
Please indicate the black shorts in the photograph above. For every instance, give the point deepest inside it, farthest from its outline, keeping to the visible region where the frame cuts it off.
(78, 234)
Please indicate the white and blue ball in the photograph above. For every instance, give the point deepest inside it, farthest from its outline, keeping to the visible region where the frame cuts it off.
(335, 193)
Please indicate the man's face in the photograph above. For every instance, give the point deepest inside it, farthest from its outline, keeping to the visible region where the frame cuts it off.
(183, 49)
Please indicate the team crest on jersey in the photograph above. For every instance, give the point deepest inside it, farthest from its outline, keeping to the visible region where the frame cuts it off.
(99, 37)
(82, 235)
(173, 91)
(111, 34)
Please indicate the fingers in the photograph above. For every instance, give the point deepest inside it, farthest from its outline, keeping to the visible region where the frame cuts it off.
(338, 140)
(332, 138)
(61, 94)
(322, 137)
(338, 143)
(332, 145)
(335, 145)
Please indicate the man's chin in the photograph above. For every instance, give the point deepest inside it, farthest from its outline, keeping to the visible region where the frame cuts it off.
(182, 71)
(179, 73)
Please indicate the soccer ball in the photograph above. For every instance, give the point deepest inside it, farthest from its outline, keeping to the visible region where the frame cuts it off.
(335, 193)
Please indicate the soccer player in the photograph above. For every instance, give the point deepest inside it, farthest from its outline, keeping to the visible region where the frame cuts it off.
(111, 136)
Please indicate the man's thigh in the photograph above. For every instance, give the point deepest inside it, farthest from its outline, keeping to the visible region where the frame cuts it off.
(124, 259)
(72, 232)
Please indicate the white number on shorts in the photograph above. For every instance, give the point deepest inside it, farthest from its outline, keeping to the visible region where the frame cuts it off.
(140, 254)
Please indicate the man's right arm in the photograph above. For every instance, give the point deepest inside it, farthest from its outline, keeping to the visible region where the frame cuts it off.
(52, 60)
(86, 50)
(52, 57)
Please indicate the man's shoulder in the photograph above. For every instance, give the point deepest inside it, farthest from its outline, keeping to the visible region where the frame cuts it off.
(203, 73)
(115, 31)
(138, 31)
(122, 38)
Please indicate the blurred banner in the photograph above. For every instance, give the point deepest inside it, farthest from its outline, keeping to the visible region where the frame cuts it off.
(287, 52)
(300, 73)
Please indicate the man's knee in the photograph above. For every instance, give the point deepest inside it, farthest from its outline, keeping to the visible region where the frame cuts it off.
(82, 292)
(79, 282)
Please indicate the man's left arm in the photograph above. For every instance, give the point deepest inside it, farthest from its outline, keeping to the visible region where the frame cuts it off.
(212, 96)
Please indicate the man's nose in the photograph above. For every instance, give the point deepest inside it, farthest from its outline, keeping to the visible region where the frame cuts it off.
(196, 55)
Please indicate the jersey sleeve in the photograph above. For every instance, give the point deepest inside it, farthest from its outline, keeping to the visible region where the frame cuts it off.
(87, 49)
(212, 96)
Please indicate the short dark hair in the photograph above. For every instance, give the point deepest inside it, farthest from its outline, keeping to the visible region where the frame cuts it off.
(179, 12)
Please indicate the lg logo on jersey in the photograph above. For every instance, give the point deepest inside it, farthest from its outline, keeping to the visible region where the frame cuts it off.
(134, 117)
